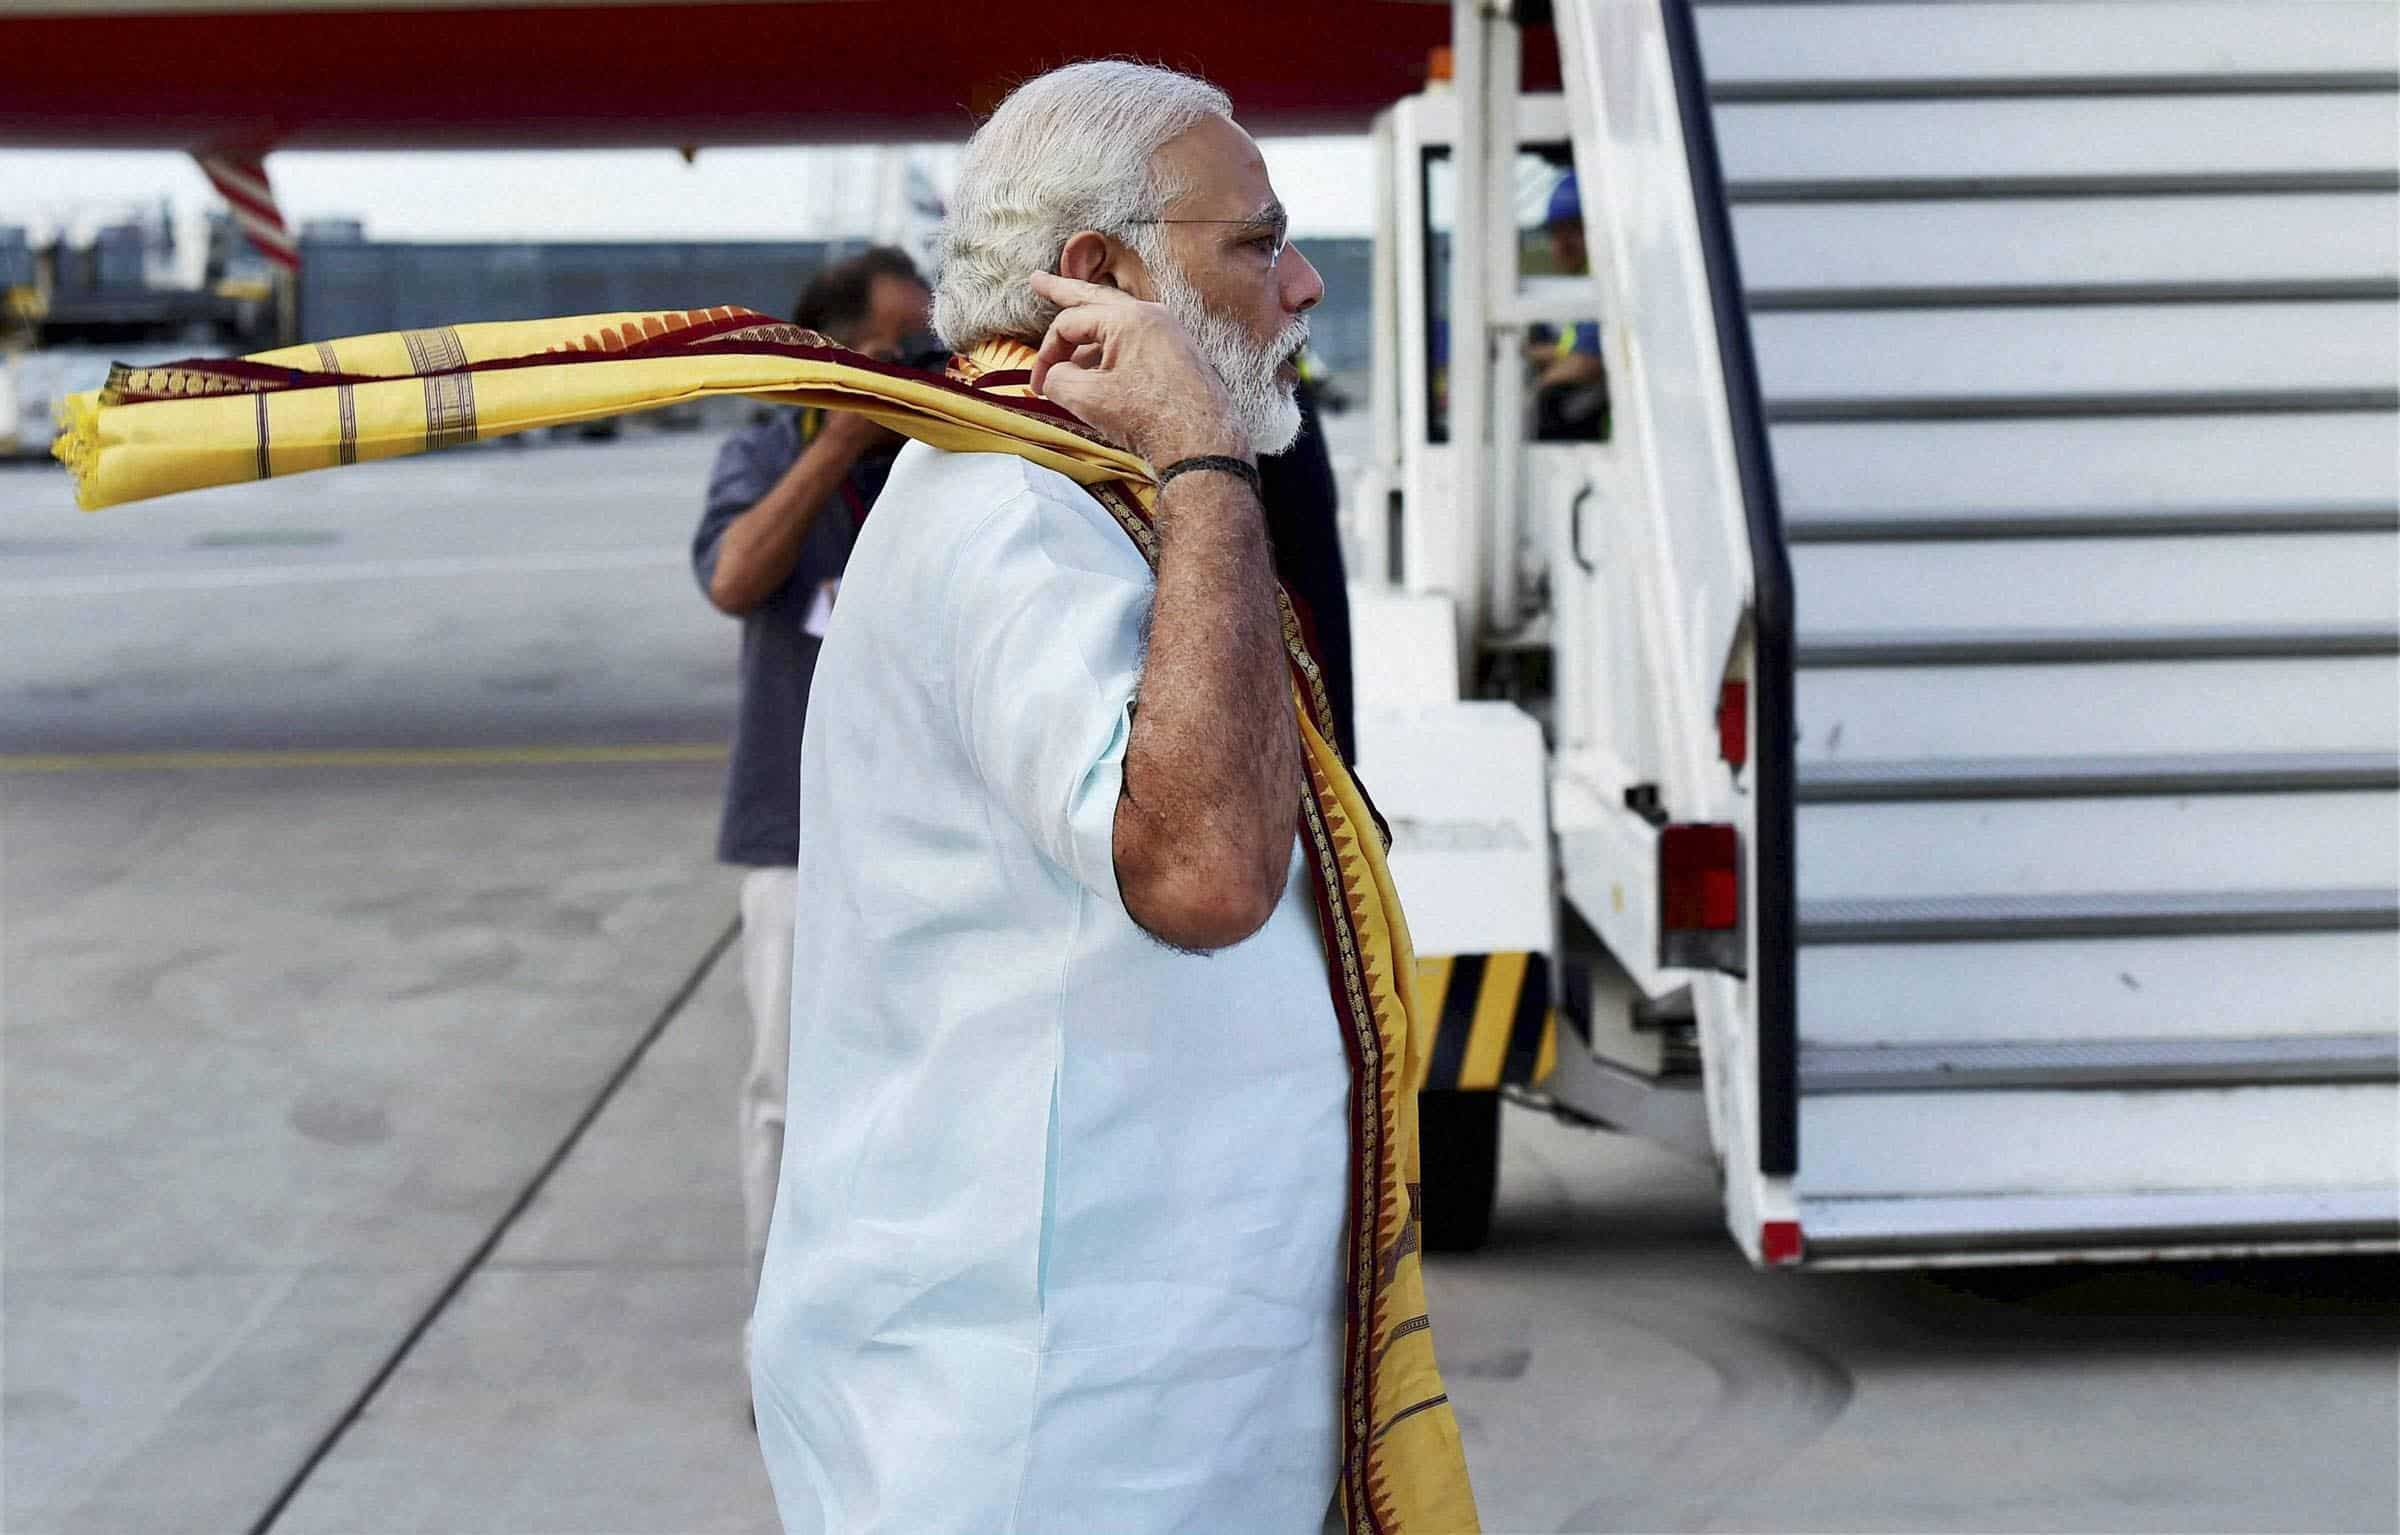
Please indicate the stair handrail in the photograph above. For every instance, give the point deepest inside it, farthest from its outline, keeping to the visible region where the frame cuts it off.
(1774, 974)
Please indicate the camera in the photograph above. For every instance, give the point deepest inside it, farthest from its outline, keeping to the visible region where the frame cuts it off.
(923, 349)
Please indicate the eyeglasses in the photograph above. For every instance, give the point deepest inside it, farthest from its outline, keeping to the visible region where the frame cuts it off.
(1274, 231)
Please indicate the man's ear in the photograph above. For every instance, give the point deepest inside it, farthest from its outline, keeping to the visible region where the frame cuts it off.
(1086, 259)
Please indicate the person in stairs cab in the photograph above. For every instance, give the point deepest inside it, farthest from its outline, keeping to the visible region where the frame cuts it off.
(1570, 385)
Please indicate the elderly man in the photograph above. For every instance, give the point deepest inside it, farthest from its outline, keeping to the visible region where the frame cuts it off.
(1060, 1240)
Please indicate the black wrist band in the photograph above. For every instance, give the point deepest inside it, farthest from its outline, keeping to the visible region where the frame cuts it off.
(1241, 468)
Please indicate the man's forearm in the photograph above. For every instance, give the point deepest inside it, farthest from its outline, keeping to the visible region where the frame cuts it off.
(758, 549)
(1212, 771)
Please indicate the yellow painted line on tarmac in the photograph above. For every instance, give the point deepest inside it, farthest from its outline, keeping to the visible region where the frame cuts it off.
(356, 757)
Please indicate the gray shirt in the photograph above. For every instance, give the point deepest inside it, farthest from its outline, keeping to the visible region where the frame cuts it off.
(761, 824)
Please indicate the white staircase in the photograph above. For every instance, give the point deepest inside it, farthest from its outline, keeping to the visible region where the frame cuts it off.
(2077, 326)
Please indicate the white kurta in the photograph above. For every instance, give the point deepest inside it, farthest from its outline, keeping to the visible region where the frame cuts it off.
(1057, 1245)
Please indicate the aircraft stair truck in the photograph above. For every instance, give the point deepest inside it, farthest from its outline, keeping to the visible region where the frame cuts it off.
(1936, 757)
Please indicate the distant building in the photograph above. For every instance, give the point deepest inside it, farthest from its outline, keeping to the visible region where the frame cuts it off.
(16, 257)
(351, 286)
(358, 287)
(115, 261)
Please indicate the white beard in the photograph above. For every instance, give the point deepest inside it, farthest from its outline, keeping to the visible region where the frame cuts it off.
(1267, 407)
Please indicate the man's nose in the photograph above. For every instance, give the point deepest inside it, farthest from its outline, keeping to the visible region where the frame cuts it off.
(1302, 287)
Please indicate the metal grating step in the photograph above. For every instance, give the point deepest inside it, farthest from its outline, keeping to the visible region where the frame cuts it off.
(2118, 1064)
(2052, 647)
(1843, 526)
(1842, 783)
(2003, 918)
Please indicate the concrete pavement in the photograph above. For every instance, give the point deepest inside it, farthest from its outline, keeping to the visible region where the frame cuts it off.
(588, 1378)
(280, 1054)
(499, 595)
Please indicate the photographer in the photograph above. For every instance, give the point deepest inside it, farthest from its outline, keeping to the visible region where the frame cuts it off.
(784, 504)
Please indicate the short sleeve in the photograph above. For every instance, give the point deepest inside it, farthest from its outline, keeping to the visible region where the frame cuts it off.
(1049, 605)
(741, 476)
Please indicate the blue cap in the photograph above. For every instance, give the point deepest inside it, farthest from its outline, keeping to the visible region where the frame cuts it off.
(1566, 204)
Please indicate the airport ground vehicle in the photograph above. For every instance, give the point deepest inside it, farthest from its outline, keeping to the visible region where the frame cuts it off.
(1937, 760)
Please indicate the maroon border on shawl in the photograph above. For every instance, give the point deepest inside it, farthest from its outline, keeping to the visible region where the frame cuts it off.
(700, 339)
(1362, 1358)
(258, 377)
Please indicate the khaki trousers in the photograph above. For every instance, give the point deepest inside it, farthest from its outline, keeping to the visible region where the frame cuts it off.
(768, 900)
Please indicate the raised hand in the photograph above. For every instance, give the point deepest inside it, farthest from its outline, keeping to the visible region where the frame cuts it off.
(1123, 365)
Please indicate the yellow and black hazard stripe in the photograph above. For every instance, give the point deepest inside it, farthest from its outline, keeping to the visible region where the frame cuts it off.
(1497, 1025)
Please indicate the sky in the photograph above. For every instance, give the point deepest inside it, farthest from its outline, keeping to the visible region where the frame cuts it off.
(606, 194)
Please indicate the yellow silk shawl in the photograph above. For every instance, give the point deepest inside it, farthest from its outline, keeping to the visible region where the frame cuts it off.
(182, 426)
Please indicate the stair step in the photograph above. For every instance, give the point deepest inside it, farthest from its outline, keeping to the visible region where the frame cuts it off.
(2122, 1064)
(1869, 299)
(2123, 359)
(2342, 238)
(2136, 708)
(2143, 1224)
(2314, 458)
(1933, 1143)
(1835, 783)
(2204, 986)
(1910, 525)
(1772, 90)
(2055, 647)
(2005, 407)
(2125, 43)
(2160, 845)
(1988, 918)
(2290, 141)
(1785, 191)
(2244, 583)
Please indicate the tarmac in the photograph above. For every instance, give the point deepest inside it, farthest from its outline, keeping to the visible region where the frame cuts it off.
(369, 1049)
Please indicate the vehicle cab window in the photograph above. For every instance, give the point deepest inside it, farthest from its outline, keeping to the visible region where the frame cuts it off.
(1567, 380)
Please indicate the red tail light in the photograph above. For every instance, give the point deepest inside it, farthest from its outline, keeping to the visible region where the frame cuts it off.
(1699, 877)
(1700, 897)
(1733, 724)
(1779, 1243)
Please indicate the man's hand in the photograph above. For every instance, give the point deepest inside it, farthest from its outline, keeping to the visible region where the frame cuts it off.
(1570, 368)
(758, 549)
(1123, 365)
(854, 436)
(1211, 799)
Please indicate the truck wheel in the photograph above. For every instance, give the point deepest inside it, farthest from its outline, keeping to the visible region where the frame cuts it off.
(1459, 1136)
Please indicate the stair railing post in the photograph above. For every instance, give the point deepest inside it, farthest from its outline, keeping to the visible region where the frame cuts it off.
(1469, 340)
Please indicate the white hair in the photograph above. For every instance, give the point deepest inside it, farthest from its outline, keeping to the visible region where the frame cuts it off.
(1071, 150)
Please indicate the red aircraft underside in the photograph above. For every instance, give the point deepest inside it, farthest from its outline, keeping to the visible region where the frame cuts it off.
(245, 76)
